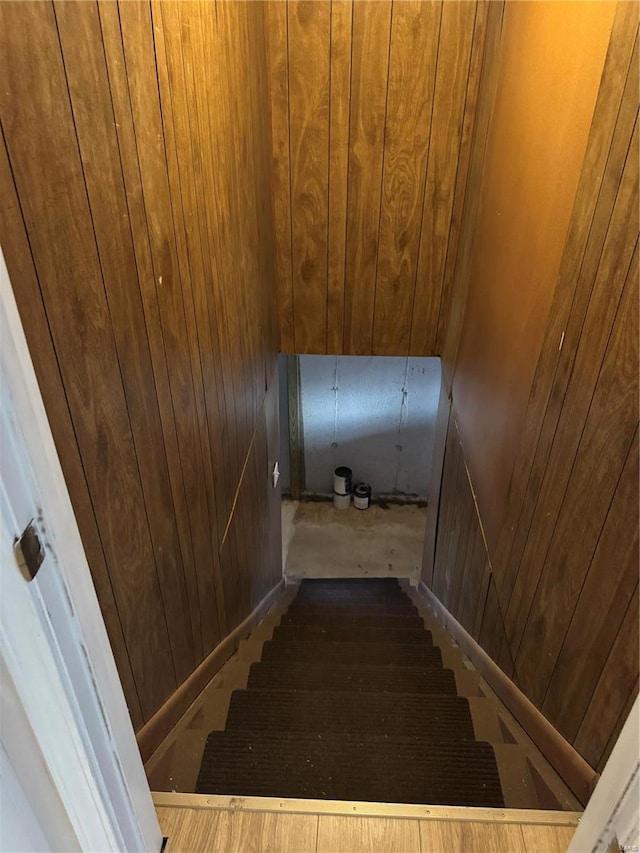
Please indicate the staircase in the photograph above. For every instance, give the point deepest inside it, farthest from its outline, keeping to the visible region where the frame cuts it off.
(353, 700)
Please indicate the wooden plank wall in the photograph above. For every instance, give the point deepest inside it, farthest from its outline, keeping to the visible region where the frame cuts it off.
(136, 225)
(554, 600)
(373, 106)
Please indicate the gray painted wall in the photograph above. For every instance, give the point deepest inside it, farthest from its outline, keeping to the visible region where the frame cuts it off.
(374, 414)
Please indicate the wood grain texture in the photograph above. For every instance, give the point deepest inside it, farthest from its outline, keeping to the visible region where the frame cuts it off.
(460, 556)
(433, 496)
(440, 837)
(80, 38)
(466, 208)
(478, 98)
(607, 436)
(387, 119)
(369, 75)
(546, 486)
(186, 179)
(203, 827)
(504, 327)
(17, 255)
(547, 837)
(340, 89)
(145, 269)
(366, 835)
(595, 197)
(616, 688)
(455, 44)
(560, 576)
(116, 68)
(610, 583)
(278, 52)
(309, 29)
(412, 70)
(43, 152)
(237, 832)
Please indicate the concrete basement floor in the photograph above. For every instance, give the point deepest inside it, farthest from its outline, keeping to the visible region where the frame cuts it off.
(320, 541)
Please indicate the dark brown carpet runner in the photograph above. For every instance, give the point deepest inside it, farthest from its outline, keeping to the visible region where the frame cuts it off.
(351, 702)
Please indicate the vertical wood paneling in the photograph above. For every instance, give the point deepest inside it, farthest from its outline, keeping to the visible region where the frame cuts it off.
(412, 68)
(618, 681)
(595, 197)
(369, 74)
(58, 221)
(478, 101)
(309, 27)
(373, 109)
(173, 289)
(467, 204)
(461, 559)
(17, 254)
(454, 53)
(181, 130)
(278, 51)
(80, 36)
(594, 338)
(558, 592)
(152, 312)
(116, 68)
(340, 91)
(216, 147)
(523, 242)
(611, 581)
(606, 440)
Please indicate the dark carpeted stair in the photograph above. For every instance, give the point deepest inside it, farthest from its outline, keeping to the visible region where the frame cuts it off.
(386, 679)
(355, 619)
(340, 633)
(350, 767)
(368, 654)
(350, 701)
(435, 717)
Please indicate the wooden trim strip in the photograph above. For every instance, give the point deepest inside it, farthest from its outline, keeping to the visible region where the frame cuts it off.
(567, 762)
(158, 727)
(362, 809)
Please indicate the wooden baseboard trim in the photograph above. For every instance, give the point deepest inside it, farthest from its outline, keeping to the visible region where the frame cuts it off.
(361, 809)
(158, 727)
(566, 761)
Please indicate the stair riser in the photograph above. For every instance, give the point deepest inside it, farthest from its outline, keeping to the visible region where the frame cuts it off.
(301, 634)
(374, 654)
(359, 678)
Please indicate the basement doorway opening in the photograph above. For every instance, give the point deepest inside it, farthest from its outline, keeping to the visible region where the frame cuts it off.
(376, 416)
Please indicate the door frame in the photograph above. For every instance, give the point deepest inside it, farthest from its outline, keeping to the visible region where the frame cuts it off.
(68, 745)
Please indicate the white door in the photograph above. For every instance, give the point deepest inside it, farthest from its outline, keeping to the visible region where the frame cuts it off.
(71, 773)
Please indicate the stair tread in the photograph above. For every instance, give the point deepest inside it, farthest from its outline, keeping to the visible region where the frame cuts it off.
(447, 717)
(407, 769)
(351, 701)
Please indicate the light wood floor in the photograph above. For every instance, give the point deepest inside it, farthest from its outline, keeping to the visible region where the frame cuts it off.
(225, 831)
